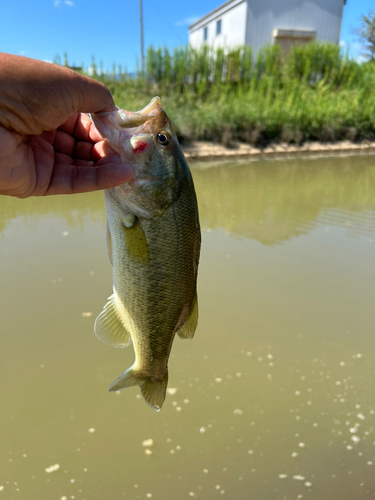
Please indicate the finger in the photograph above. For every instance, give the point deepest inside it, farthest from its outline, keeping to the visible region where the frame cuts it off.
(102, 149)
(86, 130)
(64, 143)
(63, 159)
(70, 124)
(96, 95)
(68, 160)
(112, 158)
(80, 127)
(84, 150)
(68, 179)
(85, 163)
(94, 134)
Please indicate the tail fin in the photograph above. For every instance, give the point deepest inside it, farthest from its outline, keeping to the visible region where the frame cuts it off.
(152, 390)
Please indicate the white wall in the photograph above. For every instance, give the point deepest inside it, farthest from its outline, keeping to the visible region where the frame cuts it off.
(233, 27)
(252, 22)
(322, 16)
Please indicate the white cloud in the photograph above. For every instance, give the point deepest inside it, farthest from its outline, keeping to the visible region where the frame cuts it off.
(361, 59)
(187, 21)
(22, 53)
(57, 3)
(342, 43)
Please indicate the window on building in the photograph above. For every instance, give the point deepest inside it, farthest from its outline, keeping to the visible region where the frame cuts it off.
(205, 34)
(218, 27)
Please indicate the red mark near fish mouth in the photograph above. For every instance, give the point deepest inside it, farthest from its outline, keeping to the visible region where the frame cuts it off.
(140, 146)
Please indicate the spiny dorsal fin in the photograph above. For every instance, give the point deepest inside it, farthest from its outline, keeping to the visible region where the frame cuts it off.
(109, 327)
(188, 328)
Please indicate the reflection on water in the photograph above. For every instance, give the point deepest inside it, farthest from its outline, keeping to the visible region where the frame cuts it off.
(274, 397)
(73, 209)
(274, 201)
(269, 201)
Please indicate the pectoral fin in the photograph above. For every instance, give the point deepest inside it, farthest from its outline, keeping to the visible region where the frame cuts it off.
(188, 328)
(136, 244)
(109, 327)
(128, 219)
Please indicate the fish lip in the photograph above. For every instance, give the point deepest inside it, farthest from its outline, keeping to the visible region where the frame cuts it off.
(131, 119)
(153, 108)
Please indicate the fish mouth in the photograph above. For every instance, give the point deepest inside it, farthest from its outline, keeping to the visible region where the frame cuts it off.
(120, 125)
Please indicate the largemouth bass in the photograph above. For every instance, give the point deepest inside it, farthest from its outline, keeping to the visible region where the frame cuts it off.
(153, 239)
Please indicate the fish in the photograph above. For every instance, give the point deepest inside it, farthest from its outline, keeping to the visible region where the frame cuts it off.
(153, 241)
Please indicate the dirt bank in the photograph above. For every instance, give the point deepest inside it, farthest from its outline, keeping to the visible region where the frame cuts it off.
(208, 151)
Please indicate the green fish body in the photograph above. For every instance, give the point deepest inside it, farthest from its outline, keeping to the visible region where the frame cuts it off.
(153, 240)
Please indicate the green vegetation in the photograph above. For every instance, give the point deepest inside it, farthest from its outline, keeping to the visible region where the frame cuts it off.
(313, 93)
(366, 34)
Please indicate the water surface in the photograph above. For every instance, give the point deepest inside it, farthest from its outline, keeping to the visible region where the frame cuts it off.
(275, 396)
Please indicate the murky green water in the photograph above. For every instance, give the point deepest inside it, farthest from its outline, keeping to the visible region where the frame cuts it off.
(275, 396)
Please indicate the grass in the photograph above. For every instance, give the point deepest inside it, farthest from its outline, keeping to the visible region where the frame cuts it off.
(314, 93)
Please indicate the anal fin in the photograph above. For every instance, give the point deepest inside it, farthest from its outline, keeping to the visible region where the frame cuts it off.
(188, 328)
(109, 327)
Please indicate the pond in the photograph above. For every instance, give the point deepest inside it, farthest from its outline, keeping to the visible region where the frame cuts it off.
(274, 398)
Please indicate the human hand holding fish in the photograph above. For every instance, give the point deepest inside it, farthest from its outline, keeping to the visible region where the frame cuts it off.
(47, 144)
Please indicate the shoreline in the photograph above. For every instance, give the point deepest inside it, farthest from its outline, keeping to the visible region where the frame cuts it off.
(209, 151)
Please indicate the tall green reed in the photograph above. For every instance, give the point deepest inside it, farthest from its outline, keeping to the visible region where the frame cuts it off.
(315, 92)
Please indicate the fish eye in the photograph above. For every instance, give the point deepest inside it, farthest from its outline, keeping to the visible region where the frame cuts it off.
(163, 139)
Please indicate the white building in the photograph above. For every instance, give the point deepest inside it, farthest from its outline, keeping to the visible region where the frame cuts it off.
(261, 22)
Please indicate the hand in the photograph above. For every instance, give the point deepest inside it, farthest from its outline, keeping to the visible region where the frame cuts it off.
(47, 144)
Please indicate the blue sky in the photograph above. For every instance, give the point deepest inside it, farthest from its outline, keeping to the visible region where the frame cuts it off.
(109, 30)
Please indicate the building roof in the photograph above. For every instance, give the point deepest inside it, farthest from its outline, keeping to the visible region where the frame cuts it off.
(222, 8)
